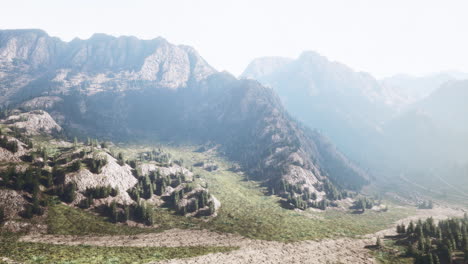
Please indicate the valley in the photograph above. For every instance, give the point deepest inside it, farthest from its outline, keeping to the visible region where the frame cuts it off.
(127, 150)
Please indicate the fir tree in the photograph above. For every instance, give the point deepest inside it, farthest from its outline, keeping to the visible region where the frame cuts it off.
(2, 215)
(436, 259)
(126, 213)
(379, 243)
(113, 212)
(69, 194)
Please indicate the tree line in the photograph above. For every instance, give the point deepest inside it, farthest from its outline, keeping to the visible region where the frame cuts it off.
(431, 243)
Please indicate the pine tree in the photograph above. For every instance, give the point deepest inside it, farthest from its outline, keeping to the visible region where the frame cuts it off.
(379, 243)
(126, 213)
(113, 212)
(421, 244)
(212, 208)
(403, 229)
(447, 254)
(195, 205)
(430, 259)
(69, 193)
(76, 166)
(149, 216)
(2, 215)
(410, 228)
(436, 258)
(411, 251)
(36, 209)
(28, 213)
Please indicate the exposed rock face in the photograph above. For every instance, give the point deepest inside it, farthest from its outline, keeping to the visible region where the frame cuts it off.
(34, 122)
(12, 202)
(33, 46)
(86, 64)
(113, 175)
(124, 87)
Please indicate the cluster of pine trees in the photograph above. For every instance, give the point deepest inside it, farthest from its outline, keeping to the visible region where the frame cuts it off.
(332, 192)
(295, 195)
(303, 198)
(431, 243)
(140, 212)
(29, 181)
(157, 155)
(154, 183)
(196, 201)
(96, 164)
(97, 193)
(18, 133)
(363, 203)
(426, 205)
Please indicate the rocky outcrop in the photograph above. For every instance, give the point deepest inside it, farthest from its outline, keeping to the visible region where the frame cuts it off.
(34, 123)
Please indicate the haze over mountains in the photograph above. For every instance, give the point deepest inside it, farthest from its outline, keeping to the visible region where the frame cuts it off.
(130, 89)
(402, 124)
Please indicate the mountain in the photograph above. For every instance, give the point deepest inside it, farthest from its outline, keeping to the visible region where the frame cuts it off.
(437, 122)
(345, 105)
(414, 89)
(129, 89)
(402, 125)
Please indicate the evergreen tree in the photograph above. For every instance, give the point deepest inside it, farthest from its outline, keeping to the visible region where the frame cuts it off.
(36, 209)
(69, 193)
(436, 259)
(212, 208)
(430, 259)
(421, 244)
(126, 213)
(149, 216)
(76, 166)
(2, 215)
(410, 228)
(379, 243)
(28, 213)
(114, 212)
(447, 254)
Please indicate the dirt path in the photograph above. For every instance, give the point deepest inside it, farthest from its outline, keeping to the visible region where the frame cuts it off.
(344, 250)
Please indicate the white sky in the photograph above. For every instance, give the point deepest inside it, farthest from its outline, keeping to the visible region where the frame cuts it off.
(381, 37)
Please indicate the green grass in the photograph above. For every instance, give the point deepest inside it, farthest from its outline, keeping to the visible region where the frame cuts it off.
(65, 220)
(391, 254)
(245, 210)
(47, 253)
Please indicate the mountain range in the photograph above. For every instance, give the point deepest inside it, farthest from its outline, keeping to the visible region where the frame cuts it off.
(126, 89)
(398, 125)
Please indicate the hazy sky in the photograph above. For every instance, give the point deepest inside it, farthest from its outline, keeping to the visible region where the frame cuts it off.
(380, 37)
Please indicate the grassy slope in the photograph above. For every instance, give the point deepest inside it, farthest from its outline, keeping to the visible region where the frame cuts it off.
(247, 211)
(65, 220)
(48, 253)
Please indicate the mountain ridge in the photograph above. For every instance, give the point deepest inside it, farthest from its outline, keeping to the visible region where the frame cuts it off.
(169, 92)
